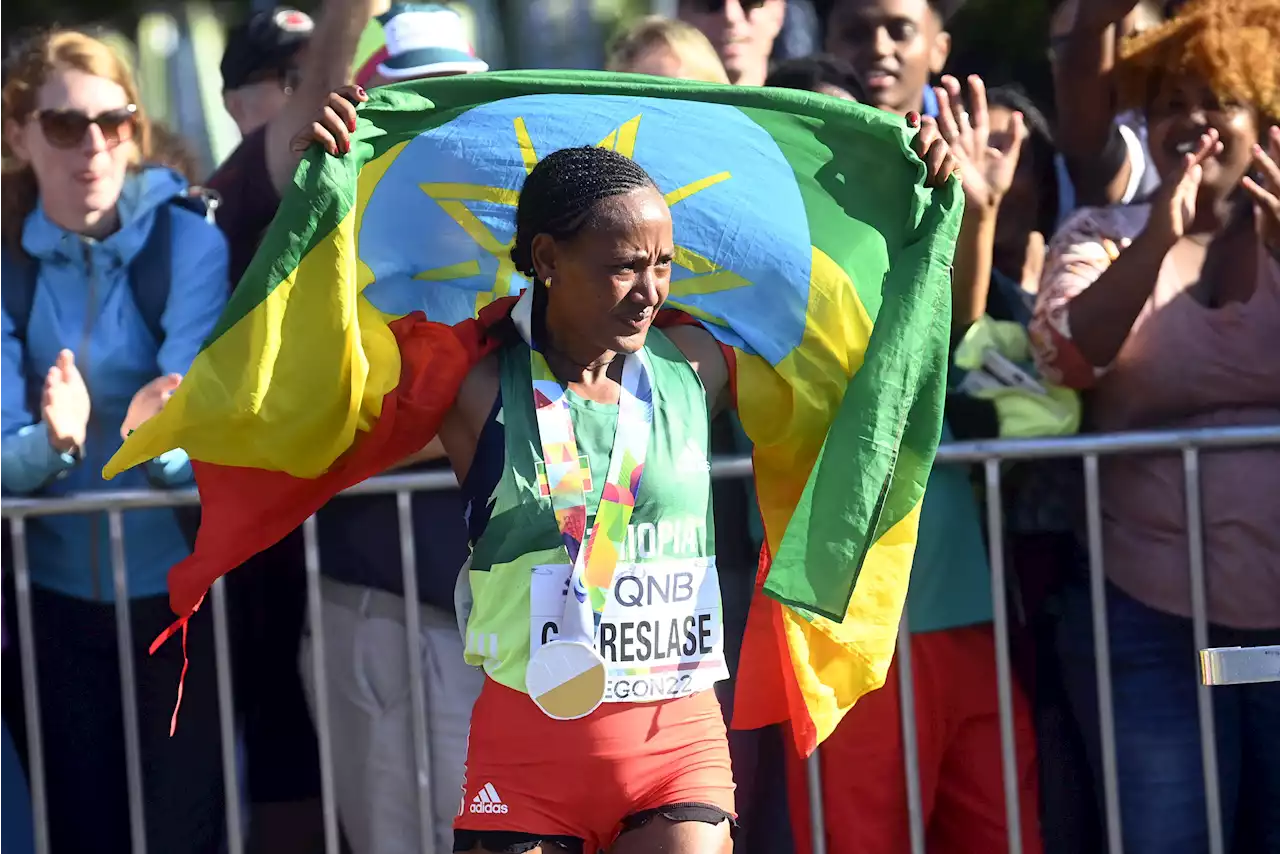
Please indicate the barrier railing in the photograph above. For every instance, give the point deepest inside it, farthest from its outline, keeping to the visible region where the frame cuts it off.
(1220, 666)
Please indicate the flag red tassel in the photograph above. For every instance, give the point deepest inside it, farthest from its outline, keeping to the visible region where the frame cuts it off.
(183, 624)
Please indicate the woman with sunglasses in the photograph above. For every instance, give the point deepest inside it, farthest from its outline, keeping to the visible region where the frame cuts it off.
(741, 31)
(110, 287)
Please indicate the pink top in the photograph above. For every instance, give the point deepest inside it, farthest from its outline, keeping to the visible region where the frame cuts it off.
(1183, 365)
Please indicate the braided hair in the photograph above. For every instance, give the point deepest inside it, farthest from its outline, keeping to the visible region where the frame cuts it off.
(562, 195)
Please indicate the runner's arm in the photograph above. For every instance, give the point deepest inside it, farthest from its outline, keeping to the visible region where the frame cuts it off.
(465, 421)
(327, 66)
(704, 354)
(433, 451)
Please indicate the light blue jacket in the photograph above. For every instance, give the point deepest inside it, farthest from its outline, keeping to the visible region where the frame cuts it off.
(83, 302)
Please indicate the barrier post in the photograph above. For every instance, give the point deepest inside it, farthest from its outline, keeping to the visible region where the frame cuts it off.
(324, 732)
(128, 684)
(417, 692)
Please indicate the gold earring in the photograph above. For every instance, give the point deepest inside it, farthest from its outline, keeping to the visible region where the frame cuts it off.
(547, 283)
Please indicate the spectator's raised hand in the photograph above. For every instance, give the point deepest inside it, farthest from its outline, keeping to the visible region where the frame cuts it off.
(65, 404)
(148, 401)
(929, 146)
(1173, 207)
(1266, 193)
(333, 124)
(986, 171)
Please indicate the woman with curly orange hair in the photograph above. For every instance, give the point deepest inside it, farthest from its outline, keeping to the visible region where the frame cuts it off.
(1168, 314)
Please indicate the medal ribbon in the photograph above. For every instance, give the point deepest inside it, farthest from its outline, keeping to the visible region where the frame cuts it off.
(566, 478)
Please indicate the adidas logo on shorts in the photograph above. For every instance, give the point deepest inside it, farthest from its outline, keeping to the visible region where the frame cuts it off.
(488, 801)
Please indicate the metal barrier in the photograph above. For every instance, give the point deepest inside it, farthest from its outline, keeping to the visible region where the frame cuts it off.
(1221, 666)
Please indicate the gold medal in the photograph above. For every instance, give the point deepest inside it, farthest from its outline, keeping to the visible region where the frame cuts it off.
(566, 679)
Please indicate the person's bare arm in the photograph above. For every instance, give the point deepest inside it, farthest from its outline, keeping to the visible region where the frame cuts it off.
(1102, 315)
(465, 421)
(704, 354)
(1083, 59)
(433, 451)
(326, 67)
(986, 173)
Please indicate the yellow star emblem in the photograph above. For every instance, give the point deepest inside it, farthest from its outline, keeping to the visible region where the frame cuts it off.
(454, 199)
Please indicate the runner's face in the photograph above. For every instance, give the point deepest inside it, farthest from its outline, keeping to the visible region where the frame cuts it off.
(80, 167)
(609, 280)
(893, 44)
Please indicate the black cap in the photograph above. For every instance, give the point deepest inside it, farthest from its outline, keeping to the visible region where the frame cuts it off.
(268, 41)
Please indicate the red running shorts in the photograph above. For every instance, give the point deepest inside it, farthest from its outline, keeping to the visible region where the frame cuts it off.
(531, 777)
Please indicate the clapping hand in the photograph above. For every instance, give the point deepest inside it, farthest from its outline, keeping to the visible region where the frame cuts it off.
(148, 401)
(1173, 207)
(64, 406)
(1266, 193)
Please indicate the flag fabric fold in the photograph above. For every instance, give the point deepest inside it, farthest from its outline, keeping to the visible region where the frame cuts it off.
(806, 244)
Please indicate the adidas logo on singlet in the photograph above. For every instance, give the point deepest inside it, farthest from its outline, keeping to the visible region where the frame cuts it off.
(488, 801)
(692, 460)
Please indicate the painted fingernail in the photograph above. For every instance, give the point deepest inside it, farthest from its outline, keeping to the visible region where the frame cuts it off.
(360, 91)
(351, 125)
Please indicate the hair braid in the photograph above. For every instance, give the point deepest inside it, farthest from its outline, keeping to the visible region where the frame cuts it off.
(562, 192)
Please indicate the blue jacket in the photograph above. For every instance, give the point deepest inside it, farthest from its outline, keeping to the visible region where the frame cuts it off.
(83, 302)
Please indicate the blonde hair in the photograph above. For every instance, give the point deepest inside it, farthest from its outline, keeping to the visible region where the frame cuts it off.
(690, 46)
(32, 65)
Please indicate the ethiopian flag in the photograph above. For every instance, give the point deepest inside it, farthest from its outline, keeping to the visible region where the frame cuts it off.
(805, 242)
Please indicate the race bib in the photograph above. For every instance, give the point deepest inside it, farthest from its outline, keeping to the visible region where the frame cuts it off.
(661, 634)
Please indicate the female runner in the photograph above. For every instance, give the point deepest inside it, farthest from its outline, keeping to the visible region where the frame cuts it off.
(595, 727)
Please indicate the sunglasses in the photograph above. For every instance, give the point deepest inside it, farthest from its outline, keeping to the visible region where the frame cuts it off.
(66, 128)
(748, 6)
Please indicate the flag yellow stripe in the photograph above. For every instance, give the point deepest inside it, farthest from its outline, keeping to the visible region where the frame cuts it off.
(289, 385)
(681, 193)
(381, 350)
(449, 192)
(834, 663)
(461, 270)
(528, 154)
(298, 352)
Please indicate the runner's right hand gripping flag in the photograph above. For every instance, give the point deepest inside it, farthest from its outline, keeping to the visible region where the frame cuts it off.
(806, 243)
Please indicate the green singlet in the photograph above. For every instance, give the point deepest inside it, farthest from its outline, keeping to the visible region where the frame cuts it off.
(661, 635)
